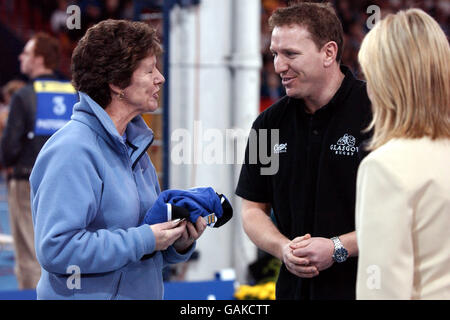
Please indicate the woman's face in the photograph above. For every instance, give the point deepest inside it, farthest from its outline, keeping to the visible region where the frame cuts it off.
(146, 82)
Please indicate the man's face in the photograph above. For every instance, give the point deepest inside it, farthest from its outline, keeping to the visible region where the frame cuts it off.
(27, 58)
(297, 60)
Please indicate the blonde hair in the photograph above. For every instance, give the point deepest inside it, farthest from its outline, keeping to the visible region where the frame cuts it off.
(405, 59)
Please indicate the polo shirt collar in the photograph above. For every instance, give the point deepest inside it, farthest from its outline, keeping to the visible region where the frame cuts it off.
(342, 92)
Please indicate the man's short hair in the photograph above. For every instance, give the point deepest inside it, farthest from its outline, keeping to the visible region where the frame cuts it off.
(47, 47)
(319, 19)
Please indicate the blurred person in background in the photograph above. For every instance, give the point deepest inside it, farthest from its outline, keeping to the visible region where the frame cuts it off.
(94, 182)
(8, 91)
(20, 146)
(58, 18)
(403, 186)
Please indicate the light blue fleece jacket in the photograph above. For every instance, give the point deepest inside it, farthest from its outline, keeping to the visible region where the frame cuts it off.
(89, 193)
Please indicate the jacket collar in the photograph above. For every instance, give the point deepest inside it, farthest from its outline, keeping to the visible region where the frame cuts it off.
(139, 135)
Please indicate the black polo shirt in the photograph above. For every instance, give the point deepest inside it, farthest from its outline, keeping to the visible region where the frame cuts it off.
(313, 190)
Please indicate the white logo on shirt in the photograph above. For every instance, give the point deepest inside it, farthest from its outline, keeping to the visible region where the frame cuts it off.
(345, 146)
(280, 148)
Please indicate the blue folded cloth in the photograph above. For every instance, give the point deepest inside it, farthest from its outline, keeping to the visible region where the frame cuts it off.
(190, 204)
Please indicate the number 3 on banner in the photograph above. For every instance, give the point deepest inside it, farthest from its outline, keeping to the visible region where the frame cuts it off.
(59, 108)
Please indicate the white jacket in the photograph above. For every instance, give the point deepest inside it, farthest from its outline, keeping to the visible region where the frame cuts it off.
(403, 221)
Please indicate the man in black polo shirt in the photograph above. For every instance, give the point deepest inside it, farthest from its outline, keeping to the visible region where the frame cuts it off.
(312, 193)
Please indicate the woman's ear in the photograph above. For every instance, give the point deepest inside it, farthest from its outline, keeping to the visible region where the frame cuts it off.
(330, 50)
(116, 91)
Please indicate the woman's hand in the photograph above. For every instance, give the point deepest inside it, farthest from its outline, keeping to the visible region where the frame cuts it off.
(167, 232)
(190, 234)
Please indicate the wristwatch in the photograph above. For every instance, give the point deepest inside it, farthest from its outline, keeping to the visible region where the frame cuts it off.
(340, 253)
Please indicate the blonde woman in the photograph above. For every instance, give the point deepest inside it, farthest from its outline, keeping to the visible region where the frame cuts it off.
(403, 185)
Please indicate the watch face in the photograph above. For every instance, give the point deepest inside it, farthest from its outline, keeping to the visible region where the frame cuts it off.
(340, 255)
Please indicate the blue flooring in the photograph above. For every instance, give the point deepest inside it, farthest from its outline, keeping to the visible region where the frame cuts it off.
(8, 281)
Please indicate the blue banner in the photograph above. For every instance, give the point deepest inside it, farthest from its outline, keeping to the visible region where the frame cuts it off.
(54, 104)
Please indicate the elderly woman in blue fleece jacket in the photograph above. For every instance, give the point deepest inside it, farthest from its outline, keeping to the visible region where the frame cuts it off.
(93, 181)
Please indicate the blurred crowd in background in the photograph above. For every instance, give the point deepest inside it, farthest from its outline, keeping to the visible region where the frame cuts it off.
(22, 18)
(354, 17)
